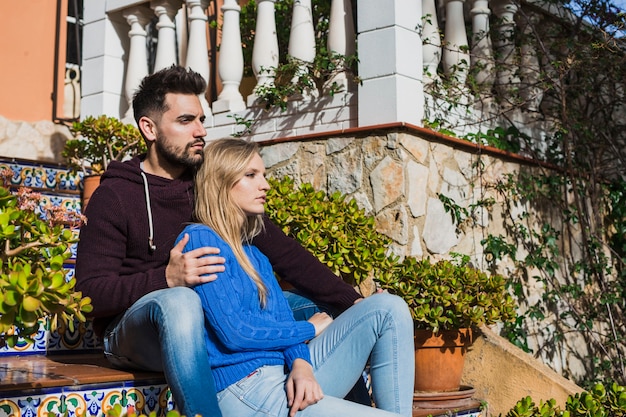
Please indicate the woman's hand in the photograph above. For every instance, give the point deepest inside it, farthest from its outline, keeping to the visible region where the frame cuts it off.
(321, 321)
(302, 387)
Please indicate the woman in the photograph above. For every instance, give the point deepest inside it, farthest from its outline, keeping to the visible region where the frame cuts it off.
(263, 361)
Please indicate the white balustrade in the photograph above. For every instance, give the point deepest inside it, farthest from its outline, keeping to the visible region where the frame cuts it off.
(265, 48)
(197, 48)
(504, 42)
(530, 90)
(456, 59)
(137, 69)
(230, 64)
(431, 39)
(482, 51)
(341, 38)
(302, 37)
(165, 10)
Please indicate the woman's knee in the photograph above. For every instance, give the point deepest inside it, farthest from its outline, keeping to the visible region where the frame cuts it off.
(392, 304)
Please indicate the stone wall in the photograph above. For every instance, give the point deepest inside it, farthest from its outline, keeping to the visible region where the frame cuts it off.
(396, 174)
(41, 141)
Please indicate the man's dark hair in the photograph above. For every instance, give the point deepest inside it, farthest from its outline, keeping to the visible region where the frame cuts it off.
(149, 99)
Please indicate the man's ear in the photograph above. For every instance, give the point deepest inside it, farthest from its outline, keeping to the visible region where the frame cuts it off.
(148, 128)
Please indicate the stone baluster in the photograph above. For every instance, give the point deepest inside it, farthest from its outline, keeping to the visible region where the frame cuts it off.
(504, 42)
(341, 38)
(165, 10)
(137, 69)
(302, 36)
(265, 48)
(230, 64)
(531, 90)
(197, 48)
(456, 59)
(431, 39)
(482, 51)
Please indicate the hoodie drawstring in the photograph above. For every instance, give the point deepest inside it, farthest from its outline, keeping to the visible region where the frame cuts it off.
(149, 209)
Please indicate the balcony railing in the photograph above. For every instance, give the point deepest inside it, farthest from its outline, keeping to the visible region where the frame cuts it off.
(400, 50)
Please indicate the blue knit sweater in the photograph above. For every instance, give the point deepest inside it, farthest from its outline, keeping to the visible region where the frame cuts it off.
(241, 336)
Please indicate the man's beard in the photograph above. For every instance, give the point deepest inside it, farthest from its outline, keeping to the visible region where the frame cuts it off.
(176, 157)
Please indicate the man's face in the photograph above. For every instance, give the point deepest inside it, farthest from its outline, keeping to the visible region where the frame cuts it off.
(181, 132)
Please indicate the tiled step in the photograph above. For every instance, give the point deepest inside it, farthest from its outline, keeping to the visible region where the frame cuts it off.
(73, 384)
(64, 373)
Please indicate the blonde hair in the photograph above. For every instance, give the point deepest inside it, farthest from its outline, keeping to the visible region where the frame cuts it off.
(225, 162)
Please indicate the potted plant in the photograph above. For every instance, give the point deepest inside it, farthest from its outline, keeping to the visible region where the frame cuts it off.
(449, 300)
(34, 245)
(98, 141)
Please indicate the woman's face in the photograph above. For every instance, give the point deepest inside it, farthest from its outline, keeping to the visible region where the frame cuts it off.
(250, 191)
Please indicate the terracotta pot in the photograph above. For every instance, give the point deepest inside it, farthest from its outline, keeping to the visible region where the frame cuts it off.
(439, 359)
(90, 183)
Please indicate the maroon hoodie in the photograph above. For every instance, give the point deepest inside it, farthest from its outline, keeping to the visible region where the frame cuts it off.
(116, 264)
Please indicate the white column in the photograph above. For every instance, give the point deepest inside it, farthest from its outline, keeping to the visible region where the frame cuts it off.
(431, 40)
(341, 37)
(265, 48)
(507, 80)
(456, 59)
(302, 36)
(482, 51)
(230, 64)
(531, 89)
(390, 62)
(165, 10)
(197, 48)
(137, 69)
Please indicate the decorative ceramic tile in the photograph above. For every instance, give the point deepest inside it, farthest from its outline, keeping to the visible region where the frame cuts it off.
(89, 401)
(80, 339)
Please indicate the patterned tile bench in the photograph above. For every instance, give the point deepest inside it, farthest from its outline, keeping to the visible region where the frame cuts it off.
(64, 373)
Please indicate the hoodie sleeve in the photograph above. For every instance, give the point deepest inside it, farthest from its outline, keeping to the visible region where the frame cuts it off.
(104, 270)
(303, 270)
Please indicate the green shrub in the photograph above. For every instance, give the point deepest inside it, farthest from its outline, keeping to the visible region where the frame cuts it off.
(450, 295)
(99, 141)
(598, 402)
(34, 244)
(337, 231)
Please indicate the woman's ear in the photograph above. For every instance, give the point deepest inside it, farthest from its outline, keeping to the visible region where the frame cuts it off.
(148, 128)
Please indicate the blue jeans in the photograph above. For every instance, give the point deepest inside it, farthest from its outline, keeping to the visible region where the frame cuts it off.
(164, 332)
(378, 329)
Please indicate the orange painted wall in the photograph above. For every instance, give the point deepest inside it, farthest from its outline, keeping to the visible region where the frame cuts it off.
(27, 43)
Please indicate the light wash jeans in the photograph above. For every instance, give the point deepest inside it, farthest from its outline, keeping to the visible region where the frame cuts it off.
(378, 329)
(164, 332)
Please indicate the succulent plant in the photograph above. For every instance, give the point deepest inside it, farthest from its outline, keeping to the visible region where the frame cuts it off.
(99, 141)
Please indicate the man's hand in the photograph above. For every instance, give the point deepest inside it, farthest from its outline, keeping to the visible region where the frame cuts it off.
(320, 321)
(302, 387)
(186, 269)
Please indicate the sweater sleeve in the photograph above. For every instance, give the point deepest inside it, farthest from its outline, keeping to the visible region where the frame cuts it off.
(303, 270)
(232, 309)
(102, 246)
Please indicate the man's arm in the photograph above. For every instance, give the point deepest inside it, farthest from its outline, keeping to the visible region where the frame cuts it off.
(303, 270)
(104, 271)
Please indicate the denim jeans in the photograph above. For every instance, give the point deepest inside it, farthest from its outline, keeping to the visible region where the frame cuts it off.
(378, 328)
(164, 332)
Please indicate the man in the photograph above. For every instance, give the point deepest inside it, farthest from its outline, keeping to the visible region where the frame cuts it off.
(140, 284)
